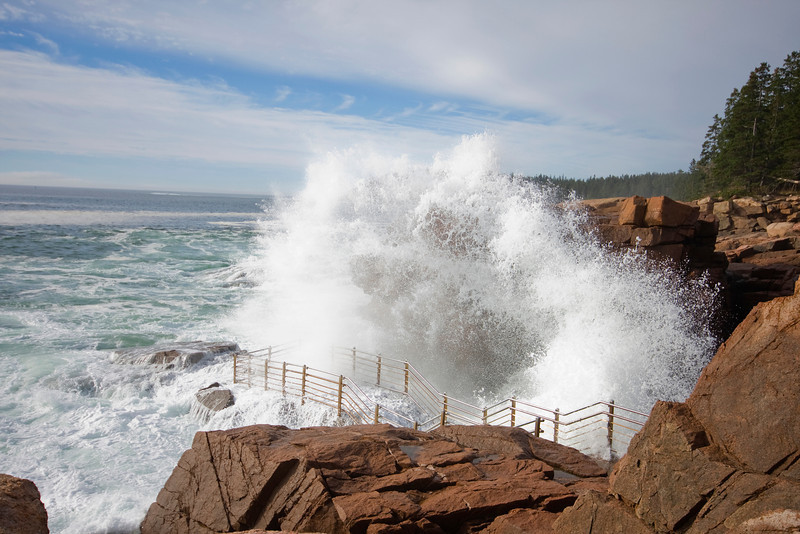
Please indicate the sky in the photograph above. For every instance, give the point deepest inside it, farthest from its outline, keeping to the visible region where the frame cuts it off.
(240, 96)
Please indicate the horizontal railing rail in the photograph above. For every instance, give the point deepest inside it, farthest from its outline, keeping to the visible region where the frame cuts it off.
(583, 428)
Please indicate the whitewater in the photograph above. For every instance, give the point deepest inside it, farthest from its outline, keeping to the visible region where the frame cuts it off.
(488, 285)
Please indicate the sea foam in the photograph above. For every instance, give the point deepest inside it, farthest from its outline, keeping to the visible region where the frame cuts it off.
(490, 285)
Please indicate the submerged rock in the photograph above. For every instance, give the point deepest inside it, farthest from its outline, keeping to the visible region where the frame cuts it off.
(174, 355)
(21, 507)
(371, 478)
(210, 400)
(726, 460)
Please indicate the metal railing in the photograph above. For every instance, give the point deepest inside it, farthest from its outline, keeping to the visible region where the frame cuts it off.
(583, 428)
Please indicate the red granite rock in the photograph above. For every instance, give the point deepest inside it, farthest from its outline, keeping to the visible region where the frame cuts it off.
(372, 478)
(21, 508)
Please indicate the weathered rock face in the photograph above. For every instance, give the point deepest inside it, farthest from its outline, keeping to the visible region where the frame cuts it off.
(21, 508)
(727, 460)
(371, 479)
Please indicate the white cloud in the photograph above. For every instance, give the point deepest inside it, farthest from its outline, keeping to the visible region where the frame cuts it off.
(46, 43)
(347, 103)
(282, 93)
(124, 113)
(51, 107)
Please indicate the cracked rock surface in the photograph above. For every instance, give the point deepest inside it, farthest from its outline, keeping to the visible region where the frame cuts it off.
(370, 479)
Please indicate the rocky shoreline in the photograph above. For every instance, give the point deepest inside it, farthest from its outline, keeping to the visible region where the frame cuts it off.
(726, 460)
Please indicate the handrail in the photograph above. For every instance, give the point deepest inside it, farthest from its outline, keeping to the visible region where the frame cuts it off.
(581, 427)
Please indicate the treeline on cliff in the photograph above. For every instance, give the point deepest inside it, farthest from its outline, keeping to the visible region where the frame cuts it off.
(752, 149)
(678, 185)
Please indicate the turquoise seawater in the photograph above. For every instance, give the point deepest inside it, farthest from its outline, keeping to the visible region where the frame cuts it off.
(82, 273)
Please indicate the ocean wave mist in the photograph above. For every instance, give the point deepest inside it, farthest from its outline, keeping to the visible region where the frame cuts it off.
(486, 283)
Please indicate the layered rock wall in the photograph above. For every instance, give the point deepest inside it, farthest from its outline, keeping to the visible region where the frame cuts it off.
(663, 229)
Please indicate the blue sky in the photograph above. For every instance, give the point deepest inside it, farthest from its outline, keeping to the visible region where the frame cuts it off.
(240, 96)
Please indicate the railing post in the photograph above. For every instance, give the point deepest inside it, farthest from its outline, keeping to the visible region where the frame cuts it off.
(303, 386)
(377, 413)
(354, 363)
(406, 378)
(556, 418)
(339, 397)
(611, 424)
(513, 411)
(235, 356)
(444, 410)
(485, 416)
(266, 375)
(283, 380)
(416, 425)
(537, 429)
(379, 369)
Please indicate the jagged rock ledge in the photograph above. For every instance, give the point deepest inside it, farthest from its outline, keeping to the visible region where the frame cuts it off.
(372, 479)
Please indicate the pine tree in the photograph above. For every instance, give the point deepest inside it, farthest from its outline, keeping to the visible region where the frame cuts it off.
(786, 119)
(755, 146)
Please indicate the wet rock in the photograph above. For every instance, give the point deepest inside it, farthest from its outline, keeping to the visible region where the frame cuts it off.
(21, 508)
(210, 400)
(174, 355)
(372, 478)
(518, 443)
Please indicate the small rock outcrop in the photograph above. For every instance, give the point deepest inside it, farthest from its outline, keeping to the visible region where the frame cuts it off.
(175, 355)
(726, 460)
(21, 508)
(210, 400)
(371, 479)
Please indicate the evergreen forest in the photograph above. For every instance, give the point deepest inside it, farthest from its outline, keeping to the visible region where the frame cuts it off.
(752, 149)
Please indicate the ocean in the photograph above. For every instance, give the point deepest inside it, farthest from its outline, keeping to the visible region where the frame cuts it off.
(490, 286)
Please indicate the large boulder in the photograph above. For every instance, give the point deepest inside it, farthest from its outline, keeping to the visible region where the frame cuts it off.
(748, 396)
(21, 508)
(371, 478)
(726, 460)
(663, 211)
(211, 399)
